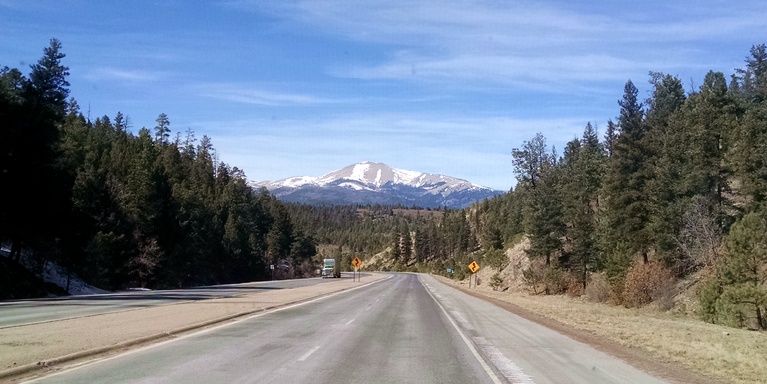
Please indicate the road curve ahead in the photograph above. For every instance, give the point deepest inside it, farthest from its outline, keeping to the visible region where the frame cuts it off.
(406, 329)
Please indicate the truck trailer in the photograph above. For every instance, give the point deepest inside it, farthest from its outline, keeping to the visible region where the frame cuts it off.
(330, 269)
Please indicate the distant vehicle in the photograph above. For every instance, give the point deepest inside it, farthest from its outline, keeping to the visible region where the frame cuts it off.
(330, 269)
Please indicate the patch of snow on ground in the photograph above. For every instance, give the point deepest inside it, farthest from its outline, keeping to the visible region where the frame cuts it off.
(53, 273)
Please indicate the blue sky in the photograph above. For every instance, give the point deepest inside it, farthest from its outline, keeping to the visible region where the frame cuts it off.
(293, 88)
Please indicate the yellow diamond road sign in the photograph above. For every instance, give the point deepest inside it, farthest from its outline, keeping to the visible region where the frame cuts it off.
(356, 262)
(474, 267)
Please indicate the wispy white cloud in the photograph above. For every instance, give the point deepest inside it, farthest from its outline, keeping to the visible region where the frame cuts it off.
(108, 73)
(241, 94)
(523, 43)
(531, 72)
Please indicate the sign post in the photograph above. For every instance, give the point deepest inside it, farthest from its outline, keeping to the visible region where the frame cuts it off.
(356, 263)
(473, 267)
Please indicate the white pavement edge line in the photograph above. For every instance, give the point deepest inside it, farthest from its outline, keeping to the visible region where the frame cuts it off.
(508, 368)
(261, 312)
(466, 340)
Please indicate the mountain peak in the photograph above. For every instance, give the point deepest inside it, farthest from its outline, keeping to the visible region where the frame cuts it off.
(368, 172)
(377, 183)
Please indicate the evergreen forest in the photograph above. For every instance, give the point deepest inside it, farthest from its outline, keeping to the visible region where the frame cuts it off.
(673, 189)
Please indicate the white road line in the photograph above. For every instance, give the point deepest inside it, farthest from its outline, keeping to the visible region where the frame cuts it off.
(66, 369)
(349, 322)
(461, 320)
(468, 343)
(510, 371)
(307, 354)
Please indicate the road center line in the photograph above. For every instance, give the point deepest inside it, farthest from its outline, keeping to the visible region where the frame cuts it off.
(349, 322)
(307, 354)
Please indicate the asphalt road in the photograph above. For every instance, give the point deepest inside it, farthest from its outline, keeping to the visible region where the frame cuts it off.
(15, 313)
(406, 329)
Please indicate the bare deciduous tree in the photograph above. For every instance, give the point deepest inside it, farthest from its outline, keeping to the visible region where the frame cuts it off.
(700, 237)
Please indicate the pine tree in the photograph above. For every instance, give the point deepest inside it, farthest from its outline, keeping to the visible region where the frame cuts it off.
(32, 110)
(627, 205)
(539, 180)
(530, 160)
(47, 87)
(749, 145)
(582, 181)
(664, 164)
(738, 295)
(611, 135)
(162, 130)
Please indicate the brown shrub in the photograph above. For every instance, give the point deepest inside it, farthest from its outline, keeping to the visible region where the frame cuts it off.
(546, 279)
(598, 288)
(574, 285)
(496, 281)
(646, 283)
(555, 281)
(533, 276)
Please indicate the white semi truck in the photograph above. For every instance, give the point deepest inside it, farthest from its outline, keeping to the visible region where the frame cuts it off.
(330, 269)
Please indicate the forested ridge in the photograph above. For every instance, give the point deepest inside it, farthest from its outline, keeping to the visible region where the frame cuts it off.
(120, 209)
(673, 188)
(676, 186)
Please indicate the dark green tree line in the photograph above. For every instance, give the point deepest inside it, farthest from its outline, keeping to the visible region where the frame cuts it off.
(122, 209)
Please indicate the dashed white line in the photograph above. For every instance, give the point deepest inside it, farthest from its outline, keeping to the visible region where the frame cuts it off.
(349, 322)
(307, 354)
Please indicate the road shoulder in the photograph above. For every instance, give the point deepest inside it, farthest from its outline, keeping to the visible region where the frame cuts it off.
(638, 358)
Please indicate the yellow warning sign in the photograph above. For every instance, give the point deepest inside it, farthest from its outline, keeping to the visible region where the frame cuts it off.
(474, 267)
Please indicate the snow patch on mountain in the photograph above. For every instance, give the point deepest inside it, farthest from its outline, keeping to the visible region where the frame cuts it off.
(295, 182)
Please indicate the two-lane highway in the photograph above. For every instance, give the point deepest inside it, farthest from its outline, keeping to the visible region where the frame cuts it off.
(405, 329)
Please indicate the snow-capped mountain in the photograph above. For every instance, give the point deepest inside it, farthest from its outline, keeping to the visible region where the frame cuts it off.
(377, 183)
